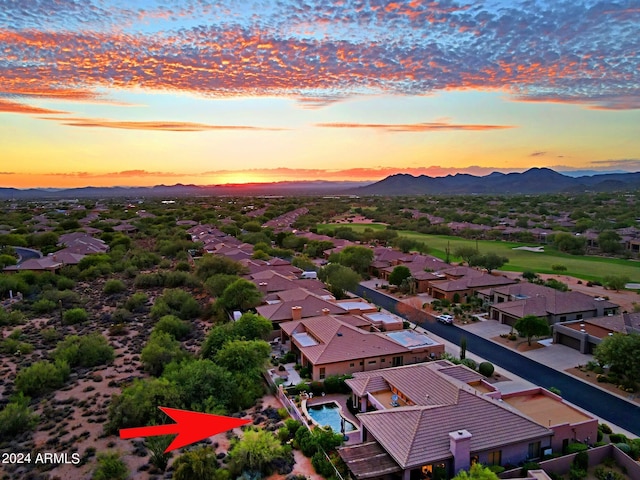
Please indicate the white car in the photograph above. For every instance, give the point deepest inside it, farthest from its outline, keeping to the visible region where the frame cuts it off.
(448, 319)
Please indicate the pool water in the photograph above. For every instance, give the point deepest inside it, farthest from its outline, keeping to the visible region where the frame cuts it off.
(329, 414)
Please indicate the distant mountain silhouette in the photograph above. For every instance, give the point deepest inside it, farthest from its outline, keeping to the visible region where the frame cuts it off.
(534, 180)
(319, 187)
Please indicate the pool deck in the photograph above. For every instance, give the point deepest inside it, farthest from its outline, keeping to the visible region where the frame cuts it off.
(340, 399)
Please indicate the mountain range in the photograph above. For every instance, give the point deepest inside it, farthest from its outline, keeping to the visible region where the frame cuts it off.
(532, 181)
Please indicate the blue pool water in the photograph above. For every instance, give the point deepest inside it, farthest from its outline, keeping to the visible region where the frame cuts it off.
(329, 414)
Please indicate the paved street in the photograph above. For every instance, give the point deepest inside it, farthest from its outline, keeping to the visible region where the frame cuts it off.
(609, 407)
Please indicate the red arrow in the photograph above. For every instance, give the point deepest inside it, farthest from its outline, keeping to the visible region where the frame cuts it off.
(190, 427)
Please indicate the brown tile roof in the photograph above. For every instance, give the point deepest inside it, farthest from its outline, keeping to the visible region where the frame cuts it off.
(553, 303)
(340, 341)
(419, 435)
(311, 306)
(462, 373)
(470, 282)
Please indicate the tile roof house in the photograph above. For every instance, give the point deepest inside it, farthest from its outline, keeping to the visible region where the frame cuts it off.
(464, 282)
(428, 420)
(79, 242)
(297, 304)
(43, 264)
(339, 345)
(514, 302)
(585, 335)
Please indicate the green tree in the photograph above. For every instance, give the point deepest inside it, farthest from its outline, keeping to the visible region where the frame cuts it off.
(160, 350)
(616, 282)
(476, 472)
(216, 284)
(210, 265)
(248, 327)
(531, 326)
(110, 467)
(203, 385)
(356, 257)
(490, 261)
(243, 355)
(566, 242)
(405, 244)
(255, 452)
(622, 353)
(399, 274)
(339, 279)
(465, 252)
(138, 404)
(198, 464)
(240, 295)
(609, 241)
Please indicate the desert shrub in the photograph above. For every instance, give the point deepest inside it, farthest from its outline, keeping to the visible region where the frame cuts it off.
(74, 316)
(86, 351)
(16, 418)
(176, 302)
(136, 302)
(114, 286)
(173, 326)
(617, 438)
(605, 428)
(41, 377)
(469, 363)
(110, 467)
(576, 473)
(603, 473)
(336, 384)
(576, 447)
(65, 283)
(486, 369)
(12, 346)
(581, 460)
(121, 315)
(13, 317)
(50, 335)
(529, 466)
(44, 306)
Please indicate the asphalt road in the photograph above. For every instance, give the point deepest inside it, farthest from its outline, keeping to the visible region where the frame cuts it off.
(602, 404)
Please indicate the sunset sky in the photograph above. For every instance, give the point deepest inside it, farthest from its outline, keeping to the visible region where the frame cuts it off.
(114, 92)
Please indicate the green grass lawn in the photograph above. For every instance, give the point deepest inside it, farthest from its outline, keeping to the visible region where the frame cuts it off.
(587, 268)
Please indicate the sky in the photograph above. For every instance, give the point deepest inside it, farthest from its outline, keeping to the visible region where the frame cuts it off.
(114, 92)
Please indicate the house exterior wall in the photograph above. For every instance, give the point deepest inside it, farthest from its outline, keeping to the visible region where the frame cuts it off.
(514, 453)
(585, 432)
(372, 363)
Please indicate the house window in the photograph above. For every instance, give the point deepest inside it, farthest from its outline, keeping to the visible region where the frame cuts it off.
(495, 457)
(396, 362)
(361, 362)
(579, 316)
(371, 362)
(382, 360)
(323, 373)
(352, 365)
(563, 318)
(534, 450)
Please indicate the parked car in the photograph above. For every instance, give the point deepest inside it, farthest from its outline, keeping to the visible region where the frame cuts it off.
(448, 319)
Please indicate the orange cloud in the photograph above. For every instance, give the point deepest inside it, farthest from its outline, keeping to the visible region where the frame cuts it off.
(415, 127)
(151, 125)
(7, 106)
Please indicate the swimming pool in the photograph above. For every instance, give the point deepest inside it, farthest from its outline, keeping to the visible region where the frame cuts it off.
(329, 414)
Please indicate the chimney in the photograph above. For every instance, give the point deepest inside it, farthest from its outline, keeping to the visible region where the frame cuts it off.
(296, 313)
(325, 311)
(460, 446)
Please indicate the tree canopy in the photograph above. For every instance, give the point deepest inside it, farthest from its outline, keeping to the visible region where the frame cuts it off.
(531, 326)
(240, 295)
(621, 352)
(476, 472)
(339, 279)
(399, 274)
